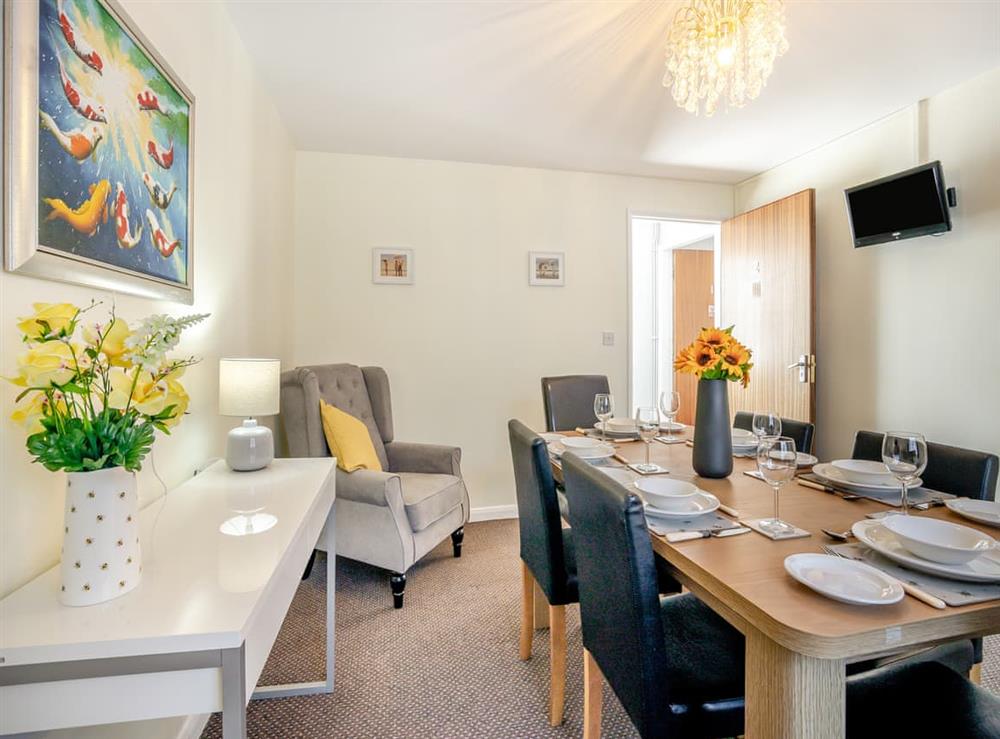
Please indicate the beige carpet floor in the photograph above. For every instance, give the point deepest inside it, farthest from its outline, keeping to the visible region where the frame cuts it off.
(444, 666)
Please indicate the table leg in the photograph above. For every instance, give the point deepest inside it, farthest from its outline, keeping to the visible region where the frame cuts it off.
(541, 605)
(234, 693)
(791, 695)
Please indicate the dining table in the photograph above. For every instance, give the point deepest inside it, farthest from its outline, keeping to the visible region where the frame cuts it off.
(798, 642)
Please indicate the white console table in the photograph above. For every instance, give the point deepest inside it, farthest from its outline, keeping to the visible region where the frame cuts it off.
(194, 636)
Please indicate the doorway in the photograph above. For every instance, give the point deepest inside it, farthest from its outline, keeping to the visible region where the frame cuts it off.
(673, 273)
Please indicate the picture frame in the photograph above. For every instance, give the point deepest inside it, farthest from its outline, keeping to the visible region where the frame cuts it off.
(99, 139)
(547, 268)
(393, 266)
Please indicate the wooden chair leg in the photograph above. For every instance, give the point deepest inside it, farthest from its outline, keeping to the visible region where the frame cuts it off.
(976, 674)
(592, 693)
(527, 610)
(557, 664)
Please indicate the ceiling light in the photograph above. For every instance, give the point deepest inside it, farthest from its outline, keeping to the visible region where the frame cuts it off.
(723, 50)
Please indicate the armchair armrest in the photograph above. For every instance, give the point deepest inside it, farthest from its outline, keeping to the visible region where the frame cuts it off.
(370, 487)
(428, 458)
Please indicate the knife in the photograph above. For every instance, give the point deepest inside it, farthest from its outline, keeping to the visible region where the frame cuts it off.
(676, 536)
(826, 489)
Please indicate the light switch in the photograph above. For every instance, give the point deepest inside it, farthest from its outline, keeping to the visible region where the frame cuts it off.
(608, 338)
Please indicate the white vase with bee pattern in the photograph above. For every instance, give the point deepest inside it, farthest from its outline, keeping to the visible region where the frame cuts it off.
(100, 556)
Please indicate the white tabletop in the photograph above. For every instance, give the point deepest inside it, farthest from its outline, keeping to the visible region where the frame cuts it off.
(200, 587)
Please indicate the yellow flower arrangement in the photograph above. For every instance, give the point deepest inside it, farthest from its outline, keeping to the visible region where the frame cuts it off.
(96, 403)
(716, 355)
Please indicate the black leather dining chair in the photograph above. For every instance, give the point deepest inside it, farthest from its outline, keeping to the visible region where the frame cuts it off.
(547, 555)
(801, 432)
(950, 469)
(678, 668)
(569, 400)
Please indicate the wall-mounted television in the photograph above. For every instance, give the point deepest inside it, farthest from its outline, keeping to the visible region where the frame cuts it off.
(900, 206)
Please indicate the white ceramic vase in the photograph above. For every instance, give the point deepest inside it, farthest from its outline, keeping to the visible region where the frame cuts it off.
(100, 557)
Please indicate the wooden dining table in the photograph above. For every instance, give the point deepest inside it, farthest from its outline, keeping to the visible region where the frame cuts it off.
(798, 642)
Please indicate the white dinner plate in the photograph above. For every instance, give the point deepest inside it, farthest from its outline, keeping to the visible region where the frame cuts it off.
(985, 568)
(828, 472)
(697, 505)
(549, 437)
(601, 451)
(983, 511)
(844, 579)
(616, 432)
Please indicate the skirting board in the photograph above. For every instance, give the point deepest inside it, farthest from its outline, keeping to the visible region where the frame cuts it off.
(493, 512)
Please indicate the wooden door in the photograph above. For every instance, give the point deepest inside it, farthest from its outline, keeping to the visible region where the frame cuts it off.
(766, 291)
(693, 304)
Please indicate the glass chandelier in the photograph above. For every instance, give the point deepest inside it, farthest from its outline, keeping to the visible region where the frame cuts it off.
(723, 50)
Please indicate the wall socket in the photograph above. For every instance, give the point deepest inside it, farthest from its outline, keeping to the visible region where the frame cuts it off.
(608, 338)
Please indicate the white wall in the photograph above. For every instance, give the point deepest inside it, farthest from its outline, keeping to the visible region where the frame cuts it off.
(465, 347)
(242, 214)
(908, 332)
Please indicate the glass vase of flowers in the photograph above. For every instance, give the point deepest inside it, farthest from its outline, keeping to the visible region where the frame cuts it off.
(94, 395)
(715, 358)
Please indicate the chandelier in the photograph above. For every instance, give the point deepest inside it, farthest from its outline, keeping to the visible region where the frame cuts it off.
(723, 50)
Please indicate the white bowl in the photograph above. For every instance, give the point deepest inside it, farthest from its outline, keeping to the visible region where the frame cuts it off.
(742, 437)
(579, 443)
(621, 425)
(939, 541)
(666, 494)
(864, 471)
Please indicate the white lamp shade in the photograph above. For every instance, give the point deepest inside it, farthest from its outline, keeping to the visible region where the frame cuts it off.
(249, 387)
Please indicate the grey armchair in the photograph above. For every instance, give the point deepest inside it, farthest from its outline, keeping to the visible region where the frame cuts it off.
(389, 519)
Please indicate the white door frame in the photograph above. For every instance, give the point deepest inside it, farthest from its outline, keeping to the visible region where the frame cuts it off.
(657, 216)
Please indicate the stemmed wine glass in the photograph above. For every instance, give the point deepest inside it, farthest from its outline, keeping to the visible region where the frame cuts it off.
(765, 424)
(604, 408)
(905, 454)
(647, 423)
(776, 464)
(670, 404)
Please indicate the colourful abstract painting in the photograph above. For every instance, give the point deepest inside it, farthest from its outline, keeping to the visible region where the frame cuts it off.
(113, 146)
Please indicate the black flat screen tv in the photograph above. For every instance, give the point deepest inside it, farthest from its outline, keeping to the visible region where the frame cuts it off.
(900, 206)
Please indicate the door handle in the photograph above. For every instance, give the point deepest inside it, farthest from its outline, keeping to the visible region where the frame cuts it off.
(805, 365)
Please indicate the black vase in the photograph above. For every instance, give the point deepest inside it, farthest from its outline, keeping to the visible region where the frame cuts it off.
(713, 440)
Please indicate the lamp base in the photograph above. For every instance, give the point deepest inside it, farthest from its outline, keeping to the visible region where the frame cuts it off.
(249, 447)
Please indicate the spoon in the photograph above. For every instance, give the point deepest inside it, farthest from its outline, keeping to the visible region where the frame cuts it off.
(838, 535)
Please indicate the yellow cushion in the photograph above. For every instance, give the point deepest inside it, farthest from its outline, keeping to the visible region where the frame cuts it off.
(348, 439)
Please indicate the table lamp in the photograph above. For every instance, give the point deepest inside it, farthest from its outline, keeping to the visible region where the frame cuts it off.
(249, 388)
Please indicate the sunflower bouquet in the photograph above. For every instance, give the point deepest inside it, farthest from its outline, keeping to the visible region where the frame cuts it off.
(94, 401)
(716, 355)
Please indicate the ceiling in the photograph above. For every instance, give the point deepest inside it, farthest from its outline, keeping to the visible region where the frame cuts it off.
(577, 85)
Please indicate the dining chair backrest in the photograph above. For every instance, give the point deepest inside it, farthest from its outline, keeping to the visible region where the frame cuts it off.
(569, 400)
(950, 469)
(801, 431)
(619, 602)
(538, 512)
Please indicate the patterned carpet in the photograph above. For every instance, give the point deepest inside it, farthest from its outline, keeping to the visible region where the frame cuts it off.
(444, 666)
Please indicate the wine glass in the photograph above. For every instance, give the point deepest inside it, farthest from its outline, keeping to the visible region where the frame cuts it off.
(604, 408)
(905, 454)
(670, 404)
(776, 464)
(765, 424)
(647, 423)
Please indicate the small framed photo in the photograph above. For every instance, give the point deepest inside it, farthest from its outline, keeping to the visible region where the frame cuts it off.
(547, 268)
(392, 266)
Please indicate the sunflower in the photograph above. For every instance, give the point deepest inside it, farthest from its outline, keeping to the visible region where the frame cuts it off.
(734, 358)
(715, 337)
(703, 357)
(683, 358)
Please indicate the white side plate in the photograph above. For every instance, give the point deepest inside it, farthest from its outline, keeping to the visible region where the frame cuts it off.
(843, 579)
(983, 511)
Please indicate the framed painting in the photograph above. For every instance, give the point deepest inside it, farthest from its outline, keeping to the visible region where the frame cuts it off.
(546, 268)
(99, 140)
(392, 266)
